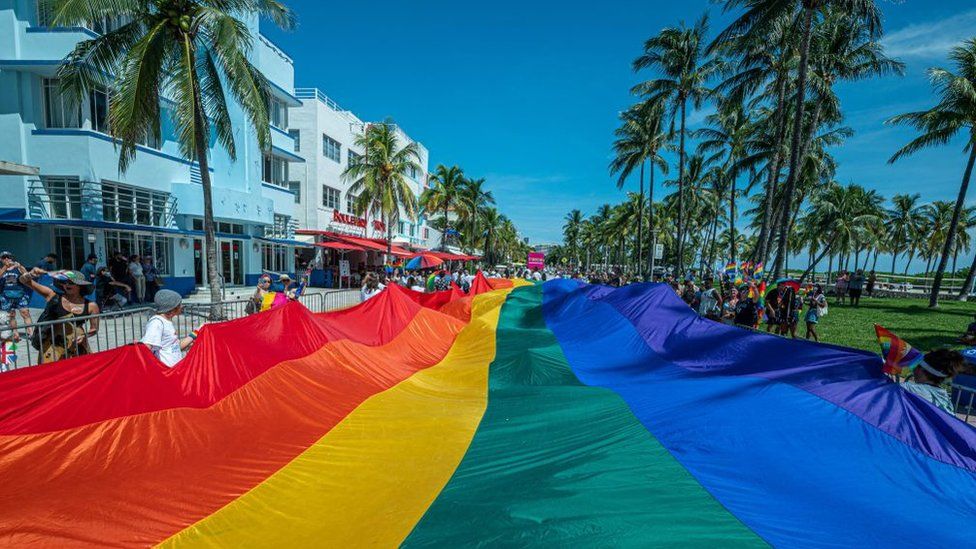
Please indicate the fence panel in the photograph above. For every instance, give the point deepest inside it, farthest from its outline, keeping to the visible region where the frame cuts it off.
(66, 338)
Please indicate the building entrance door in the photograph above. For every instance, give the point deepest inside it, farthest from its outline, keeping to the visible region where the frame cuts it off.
(232, 261)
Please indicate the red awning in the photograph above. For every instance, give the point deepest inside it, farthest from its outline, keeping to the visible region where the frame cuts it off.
(339, 246)
(452, 257)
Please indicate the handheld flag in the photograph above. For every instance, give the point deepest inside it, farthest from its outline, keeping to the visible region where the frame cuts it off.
(760, 270)
(900, 357)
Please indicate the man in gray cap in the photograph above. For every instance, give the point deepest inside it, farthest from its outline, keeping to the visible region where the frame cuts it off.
(160, 334)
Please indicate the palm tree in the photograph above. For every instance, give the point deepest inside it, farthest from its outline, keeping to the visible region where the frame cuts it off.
(571, 233)
(839, 214)
(955, 111)
(728, 135)
(492, 222)
(443, 195)
(903, 220)
(679, 56)
(380, 180)
(190, 51)
(640, 139)
(473, 199)
(762, 16)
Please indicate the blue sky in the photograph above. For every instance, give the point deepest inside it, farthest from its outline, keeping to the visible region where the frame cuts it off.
(526, 94)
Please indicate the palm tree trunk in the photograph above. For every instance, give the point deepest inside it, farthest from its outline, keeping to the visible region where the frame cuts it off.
(967, 286)
(911, 256)
(894, 256)
(953, 225)
(640, 225)
(209, 232)
(650, 215)
(732, 217)
(874, 264)
(824, 252)
(788, 190)
(444, 233)
(772, 181)
(681, 189)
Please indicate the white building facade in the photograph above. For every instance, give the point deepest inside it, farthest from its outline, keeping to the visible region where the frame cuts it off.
(324, 136)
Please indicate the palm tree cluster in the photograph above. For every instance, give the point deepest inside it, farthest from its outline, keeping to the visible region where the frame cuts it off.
(770, 80)
(463, 209)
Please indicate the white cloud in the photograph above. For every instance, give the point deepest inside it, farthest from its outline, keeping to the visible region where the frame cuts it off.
(932, 39)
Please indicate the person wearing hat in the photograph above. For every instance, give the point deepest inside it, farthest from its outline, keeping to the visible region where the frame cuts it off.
(13, 295)
(929, 378)
(160, 334)
(65, 300)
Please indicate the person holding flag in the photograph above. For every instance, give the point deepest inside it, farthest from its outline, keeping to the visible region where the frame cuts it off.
(927, 374)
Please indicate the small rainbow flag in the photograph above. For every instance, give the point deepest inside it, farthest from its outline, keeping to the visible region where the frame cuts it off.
(730, 268)
(760, 270)
(900, 357)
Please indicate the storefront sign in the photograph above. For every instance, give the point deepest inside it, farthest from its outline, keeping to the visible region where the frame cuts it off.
(347, 219)
(536, 260)
(343, 267)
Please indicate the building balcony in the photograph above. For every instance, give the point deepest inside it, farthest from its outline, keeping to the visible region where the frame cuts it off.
(283, 145)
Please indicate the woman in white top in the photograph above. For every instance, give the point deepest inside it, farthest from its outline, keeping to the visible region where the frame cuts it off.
(371, 287)
(135, 269)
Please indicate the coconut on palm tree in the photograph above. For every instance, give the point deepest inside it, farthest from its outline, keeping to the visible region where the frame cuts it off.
(954, 113)
(443, 195)
(190, 52)
(380, 181)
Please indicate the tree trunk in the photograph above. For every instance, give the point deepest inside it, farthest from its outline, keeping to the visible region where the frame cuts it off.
(681, 190)
(894, 256)
(953, 225)
(874, 264)
(444, 234)
(825, 251)
(967, 286)
(650, 214)
(911, 256)
(209, 232)
(788, 190)
(732, 217)
(640, 225)
(772, 181)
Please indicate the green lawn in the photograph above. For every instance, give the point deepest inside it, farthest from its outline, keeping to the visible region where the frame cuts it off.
(910, 319)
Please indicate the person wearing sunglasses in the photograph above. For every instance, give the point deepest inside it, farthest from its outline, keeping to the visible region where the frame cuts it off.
(65, 300)
(254, 303)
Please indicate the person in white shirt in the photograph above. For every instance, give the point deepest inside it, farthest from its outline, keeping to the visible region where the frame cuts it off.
(536, 275)
(160, 334)
(371, 287)
(135, 270)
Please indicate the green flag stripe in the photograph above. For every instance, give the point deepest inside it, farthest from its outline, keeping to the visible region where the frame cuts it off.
(556, 462)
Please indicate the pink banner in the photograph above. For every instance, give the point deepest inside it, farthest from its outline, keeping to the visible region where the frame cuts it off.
(536, 260)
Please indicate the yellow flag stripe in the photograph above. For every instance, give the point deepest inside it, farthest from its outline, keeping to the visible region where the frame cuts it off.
(371, 478)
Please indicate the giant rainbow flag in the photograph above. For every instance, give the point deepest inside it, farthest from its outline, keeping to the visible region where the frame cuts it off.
(560, 415)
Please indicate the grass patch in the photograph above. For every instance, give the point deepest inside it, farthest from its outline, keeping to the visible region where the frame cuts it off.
(909, 319)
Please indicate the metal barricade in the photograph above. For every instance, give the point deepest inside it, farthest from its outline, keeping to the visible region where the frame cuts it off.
(68, 337)
(965, 403)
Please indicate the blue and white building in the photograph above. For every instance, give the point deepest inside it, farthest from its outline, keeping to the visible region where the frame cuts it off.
(79, 202)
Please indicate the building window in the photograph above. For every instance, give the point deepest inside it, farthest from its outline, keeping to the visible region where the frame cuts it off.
(69, 244)
(63, 197)
(125, 204)
(351, 203)
(412, 228)
(274, 257)
(220, 226)
(279, 228)
(98, 101)
(352, 158)
(143, 244)
(412, 171)
(296, 188)
(278, 112)
(330, 197)
(401, 227)
(274, 170)
(426, 233)
(297, 138)
(59, 112)
(331, 148)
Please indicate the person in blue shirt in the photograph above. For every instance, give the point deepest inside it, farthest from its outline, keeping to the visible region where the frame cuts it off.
(89, 269)
(13, 295)
(48, 262)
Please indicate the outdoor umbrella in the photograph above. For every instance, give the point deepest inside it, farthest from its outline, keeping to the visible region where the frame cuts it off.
(423, 261)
